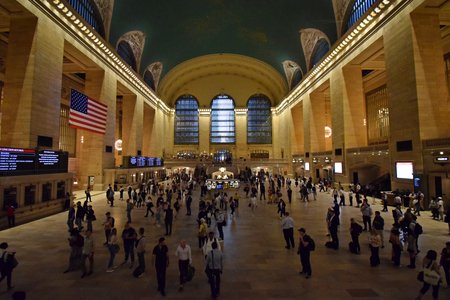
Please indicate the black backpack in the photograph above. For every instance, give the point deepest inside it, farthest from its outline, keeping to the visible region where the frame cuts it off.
(418, 230)
(311, 244)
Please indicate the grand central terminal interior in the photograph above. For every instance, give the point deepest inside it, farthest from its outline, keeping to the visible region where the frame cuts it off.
(99, 93)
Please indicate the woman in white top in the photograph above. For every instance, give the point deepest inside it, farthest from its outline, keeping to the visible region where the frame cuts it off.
(113, 248)
(183, 253)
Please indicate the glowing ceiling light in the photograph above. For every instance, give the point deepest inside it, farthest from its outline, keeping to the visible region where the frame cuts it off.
(328, 131)
(377, 10)
(386, 2)
(77, 21)
(65, 9)
(56, 1)
(61, 5)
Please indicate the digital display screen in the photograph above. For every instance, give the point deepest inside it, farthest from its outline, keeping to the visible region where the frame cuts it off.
(142, 162)
(404, 170)
(338, 168)
(15, 161)
(441, 159)
(306, 166)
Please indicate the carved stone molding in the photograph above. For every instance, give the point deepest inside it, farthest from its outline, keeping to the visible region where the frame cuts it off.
(155, 69)
(105, 7)
(340, 8)
(290, 67)
(136, 40)
(309, 38)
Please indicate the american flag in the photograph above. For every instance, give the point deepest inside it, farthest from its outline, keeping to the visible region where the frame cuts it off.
(86, 113)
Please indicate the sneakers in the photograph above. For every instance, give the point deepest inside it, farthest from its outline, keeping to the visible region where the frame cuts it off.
(109, 270)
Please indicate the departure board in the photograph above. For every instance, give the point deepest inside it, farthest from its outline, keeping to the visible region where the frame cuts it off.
(15, 161)
(141, 162)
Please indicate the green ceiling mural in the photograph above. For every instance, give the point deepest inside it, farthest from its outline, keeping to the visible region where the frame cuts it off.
(180, 30)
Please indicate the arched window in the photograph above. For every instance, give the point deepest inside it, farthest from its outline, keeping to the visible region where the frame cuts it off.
(186, 120)
(124, 50)
(148, 78)
(222, 120)
(259, 120)
(88, 10)
(296, 78)
(321, 48)
(359, 8)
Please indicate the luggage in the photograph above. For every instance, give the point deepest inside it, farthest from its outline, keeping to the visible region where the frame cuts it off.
(137, 272)
(190, 273)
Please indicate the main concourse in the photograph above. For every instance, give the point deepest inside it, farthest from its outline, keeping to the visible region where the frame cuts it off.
(256, 263)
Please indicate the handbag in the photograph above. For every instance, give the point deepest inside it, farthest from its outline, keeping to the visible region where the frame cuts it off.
(431, 277)
(190, 273)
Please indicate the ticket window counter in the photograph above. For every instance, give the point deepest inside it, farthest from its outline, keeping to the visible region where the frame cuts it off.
(61, 190)
(46, 192)
(30, 195)
(10, 197)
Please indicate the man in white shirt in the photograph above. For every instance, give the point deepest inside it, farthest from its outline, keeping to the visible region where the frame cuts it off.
(207, 247)
(440, 204)
(183, 253)
(287, 224)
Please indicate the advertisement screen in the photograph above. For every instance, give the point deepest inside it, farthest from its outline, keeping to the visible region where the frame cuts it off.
(338, 168)
(306, 166)
(404, 170)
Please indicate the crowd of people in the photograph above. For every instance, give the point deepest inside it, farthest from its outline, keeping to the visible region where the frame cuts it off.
(163, 202)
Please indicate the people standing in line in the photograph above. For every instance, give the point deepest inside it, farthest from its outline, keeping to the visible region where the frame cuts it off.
(378, 225)
(88, 195)
(214, 268)
(161, 262)
(128, 209)
(374, 244)
(7, 265)
(129, 237)
(287, 224)
(71, 217)
(445, 262)
(107, 226)
(366, 211)
(76, 243)
(429, 263)
(140, 251)
(397, 247)
(355, 231)
(305, 246)
(90, 217)
(113, 248)
(184, 255)
(79, 215)
(88, 254)
(168, 220)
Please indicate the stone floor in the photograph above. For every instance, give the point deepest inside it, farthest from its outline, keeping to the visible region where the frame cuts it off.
(256, 264)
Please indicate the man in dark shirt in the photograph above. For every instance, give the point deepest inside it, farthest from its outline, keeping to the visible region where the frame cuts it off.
(129, 237)
(161, 262)
(304, 249)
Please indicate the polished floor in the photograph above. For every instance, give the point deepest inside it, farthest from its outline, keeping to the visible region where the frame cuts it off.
(256, 264)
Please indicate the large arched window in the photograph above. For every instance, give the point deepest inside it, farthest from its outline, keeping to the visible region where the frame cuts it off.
(321, 48)
(223, 130)
(186, 120)
(88, 10)
(259, 120)
(124, 50)
(148, 78)
(359, 8)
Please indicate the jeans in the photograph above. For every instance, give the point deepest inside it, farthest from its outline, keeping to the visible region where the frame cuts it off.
(128, 247)
(141, 260)
(289, 237)
(306, 264)
(214, 282)
(112, 255)
(183, 268)
(7, 272)
(220, 229)
(366, 221)
(168, 228)
(91, 263)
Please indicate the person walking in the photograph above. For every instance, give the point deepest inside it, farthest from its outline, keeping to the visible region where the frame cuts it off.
(287, 224)
(110, 196)
(149, 205)
(183, 253)
(431, 267)
(289, 194)
(305, 246)
(107, 226)
(88, 254)
(128, 209)
(90, 217)
(113, 248)
(161, 262)
(202, 232)
(71, 218)
(140, 251)
(88, 195)
(7, 265)
(214, 268)
(333, 224)
(168, 220)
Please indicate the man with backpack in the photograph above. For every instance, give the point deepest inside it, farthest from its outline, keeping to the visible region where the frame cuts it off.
(306, 245)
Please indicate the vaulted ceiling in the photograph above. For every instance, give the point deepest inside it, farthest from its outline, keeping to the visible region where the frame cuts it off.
(177, 31)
